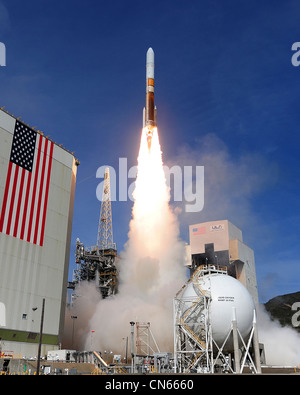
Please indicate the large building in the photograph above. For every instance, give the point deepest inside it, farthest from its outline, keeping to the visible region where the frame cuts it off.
(37, 186)
(221, 243)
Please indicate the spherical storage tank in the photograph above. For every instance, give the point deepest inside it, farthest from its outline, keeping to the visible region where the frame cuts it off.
(225, 293)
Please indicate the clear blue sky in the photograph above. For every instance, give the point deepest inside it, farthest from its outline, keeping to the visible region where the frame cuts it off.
(227, 97)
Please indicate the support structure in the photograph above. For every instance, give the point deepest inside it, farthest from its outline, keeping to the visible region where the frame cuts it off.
(195, 349)
(97, 263)
(246, 353)
(143, 339)
(147, 356)
(192, 347)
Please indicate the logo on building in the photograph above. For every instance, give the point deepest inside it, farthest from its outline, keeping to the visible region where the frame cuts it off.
(216, 228)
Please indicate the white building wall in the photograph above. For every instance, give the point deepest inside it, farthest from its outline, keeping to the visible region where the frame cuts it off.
(234, 232)
(226, 237)
(246, 255)
(209, 232)
(28, 272)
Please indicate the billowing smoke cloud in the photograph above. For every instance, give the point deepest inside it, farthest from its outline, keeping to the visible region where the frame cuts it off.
(77, 328)
(151, 268)
(281, 344)
(231, 182)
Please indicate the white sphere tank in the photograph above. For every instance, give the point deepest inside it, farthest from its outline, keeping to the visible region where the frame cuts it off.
(226, 292)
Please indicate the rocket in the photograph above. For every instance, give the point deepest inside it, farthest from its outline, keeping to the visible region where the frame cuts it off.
(149, 112)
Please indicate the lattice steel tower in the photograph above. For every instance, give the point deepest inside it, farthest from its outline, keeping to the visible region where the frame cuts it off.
(105, 230)
(97, 263)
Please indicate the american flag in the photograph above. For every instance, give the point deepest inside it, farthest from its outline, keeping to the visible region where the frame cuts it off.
(199, 230)
(24, 206)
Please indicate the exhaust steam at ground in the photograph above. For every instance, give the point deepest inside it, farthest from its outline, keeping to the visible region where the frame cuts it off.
(150, 269)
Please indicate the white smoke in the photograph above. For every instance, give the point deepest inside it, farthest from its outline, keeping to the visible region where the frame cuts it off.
(82, 310)
(151, 268)
(281, 344)
(231, 181)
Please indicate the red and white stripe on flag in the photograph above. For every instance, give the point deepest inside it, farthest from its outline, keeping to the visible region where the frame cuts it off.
(24, 207)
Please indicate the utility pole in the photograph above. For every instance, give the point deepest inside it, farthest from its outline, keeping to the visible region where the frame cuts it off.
(40, 340)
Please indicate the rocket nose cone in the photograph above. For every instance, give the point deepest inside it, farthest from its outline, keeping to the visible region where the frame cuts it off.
(150, 55)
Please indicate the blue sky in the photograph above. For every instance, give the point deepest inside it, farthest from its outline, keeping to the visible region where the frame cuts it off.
(227, 97)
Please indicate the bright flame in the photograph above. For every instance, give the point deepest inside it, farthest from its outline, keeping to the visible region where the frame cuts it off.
(151, 194)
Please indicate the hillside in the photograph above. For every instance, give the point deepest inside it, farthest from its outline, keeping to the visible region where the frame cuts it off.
(280, 308)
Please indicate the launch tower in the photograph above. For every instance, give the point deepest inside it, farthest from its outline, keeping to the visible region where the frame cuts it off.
(97, 263)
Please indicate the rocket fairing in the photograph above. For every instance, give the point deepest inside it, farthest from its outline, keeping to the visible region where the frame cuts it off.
(149, 113)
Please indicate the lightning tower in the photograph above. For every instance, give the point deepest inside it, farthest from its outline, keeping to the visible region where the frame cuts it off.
(105, 230)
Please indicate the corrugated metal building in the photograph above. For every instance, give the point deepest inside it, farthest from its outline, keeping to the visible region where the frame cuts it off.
(37, 186)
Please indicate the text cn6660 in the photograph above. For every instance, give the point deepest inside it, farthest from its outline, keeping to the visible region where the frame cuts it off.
(171, 384)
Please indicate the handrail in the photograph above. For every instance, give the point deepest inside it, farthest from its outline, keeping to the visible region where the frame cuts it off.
(193, 334)
(97, 355)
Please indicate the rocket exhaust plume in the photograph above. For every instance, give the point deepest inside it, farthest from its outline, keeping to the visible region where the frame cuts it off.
(151, 267)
